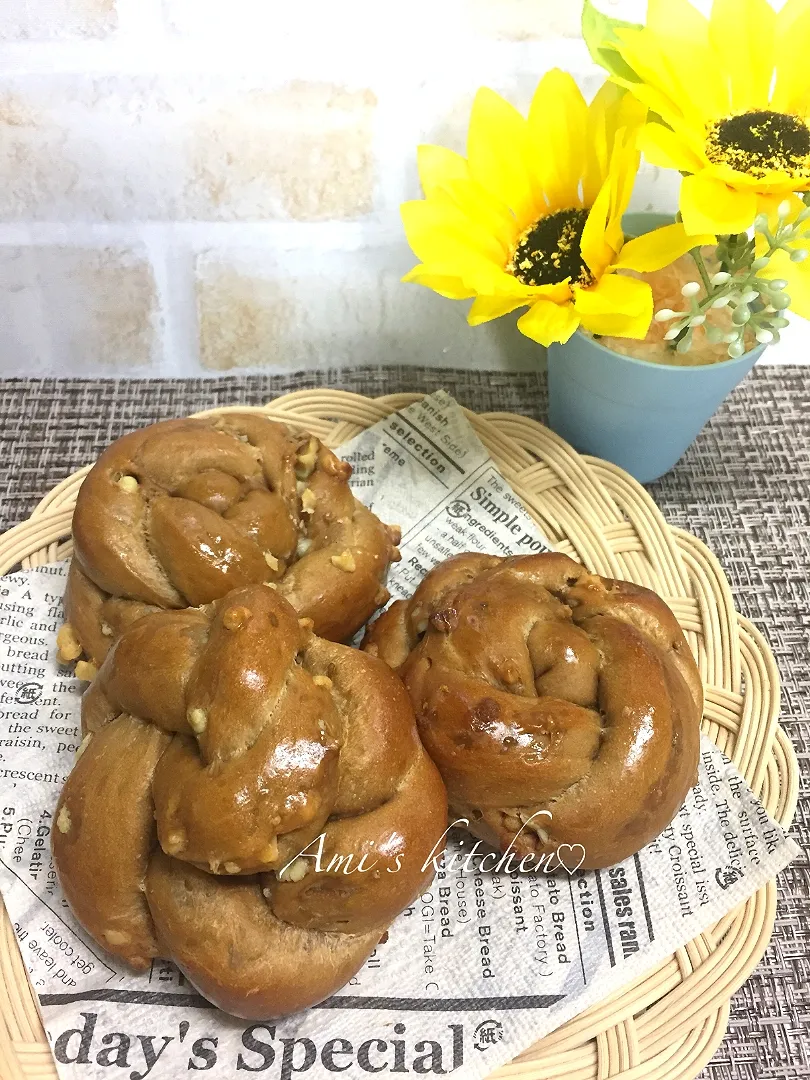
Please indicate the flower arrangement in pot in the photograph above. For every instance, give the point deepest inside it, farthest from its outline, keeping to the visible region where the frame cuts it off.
(649, 323)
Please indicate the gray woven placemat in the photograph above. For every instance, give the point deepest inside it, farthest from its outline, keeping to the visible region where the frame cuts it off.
(744, 488)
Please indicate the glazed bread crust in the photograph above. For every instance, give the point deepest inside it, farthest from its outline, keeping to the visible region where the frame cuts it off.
(177, 514)
(257, 797)
(539, 686)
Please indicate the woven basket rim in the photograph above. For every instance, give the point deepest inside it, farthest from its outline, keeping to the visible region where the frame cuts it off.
(668, 1023)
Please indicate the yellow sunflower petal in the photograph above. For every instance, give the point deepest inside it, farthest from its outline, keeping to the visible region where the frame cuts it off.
(439, 167)
(485, 308)
(621, 177)
(682, 33)
(775, 181)
(603, 235)
(601, 130)
(497, 151)
(623, 170)
(616, 305)
(474, 276)
(669, 150)
(792, 91)
(642, 52)
(742, 36)
(709, 205)
(506, 285)
(654, 99)
(612, 326)
(440, 232)
(769, 204)
(614, 294)
(546, 322)
(671, 67)
(487, 211)
(797, 275)
(677, 18)
(659, 248)
(596, 251)
(445, 176)
(558, 120)
(440, 281)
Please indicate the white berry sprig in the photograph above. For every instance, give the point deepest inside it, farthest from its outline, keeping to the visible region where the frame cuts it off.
(757, 303)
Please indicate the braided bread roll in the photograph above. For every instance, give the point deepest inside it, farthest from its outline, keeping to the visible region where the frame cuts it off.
(179, 513)
(220, 743)
(539, 686)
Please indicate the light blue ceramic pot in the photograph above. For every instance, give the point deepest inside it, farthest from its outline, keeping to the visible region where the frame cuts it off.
(640, 416)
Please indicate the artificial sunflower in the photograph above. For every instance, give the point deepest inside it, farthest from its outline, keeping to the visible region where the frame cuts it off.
(732, 98)
(532, 216)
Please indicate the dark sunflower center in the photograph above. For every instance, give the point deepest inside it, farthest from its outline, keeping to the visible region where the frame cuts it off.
(549, 251)
(758, 142)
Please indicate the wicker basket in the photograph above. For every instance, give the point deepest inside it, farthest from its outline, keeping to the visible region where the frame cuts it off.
(667, 1024)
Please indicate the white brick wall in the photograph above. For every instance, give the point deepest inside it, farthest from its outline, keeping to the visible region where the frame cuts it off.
(196, 186)
(38, 20)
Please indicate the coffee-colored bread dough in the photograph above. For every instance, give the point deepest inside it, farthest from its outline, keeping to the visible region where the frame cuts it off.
(225, 747)
(540, 688)
(177, 514)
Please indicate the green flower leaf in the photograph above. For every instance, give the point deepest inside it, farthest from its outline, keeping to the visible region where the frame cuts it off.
(599, 32)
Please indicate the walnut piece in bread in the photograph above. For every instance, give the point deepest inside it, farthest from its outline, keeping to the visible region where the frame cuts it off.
(220, 744)
(177, 514)
(539, 686)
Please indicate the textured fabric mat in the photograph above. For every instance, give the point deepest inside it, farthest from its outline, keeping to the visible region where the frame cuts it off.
(744, 489)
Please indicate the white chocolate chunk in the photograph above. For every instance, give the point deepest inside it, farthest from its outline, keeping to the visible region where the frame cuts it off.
(86, 671)
(197, 720)
(68, 646)
(344, 561)
(84, 744)
(296, 871)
